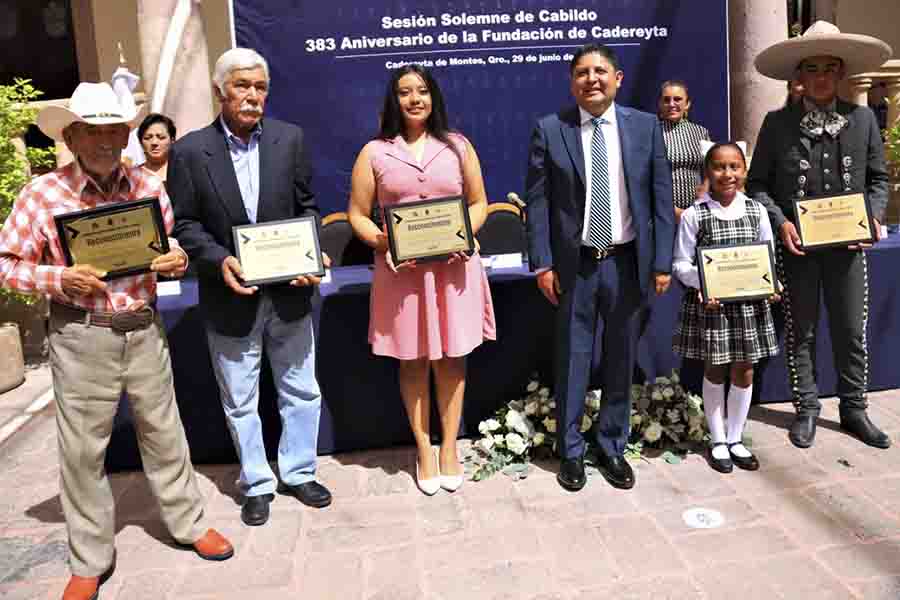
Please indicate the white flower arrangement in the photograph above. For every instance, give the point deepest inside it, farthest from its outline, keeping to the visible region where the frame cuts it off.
(663, 416)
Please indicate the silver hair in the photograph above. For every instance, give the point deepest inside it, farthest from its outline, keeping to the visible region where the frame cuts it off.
(235, 59)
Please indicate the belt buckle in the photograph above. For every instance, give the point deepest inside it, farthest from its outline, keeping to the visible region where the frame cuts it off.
(128, 320)
(601, 254)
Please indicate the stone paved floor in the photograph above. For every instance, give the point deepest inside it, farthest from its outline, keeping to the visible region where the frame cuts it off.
(821, 523)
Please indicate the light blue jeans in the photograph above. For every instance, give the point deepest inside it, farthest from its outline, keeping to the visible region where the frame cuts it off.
(292, 355)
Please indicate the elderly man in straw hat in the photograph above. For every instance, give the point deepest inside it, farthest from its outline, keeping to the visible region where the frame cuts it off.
(104, 337)
(822, 146)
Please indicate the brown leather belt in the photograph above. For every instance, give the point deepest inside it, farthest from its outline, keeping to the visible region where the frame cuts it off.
(598, 254)
(121, 321)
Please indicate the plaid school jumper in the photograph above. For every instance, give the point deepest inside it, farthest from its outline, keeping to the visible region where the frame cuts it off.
(736, 331)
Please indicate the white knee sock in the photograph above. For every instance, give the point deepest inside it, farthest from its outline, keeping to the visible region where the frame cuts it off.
(738, 407)
(713, 408)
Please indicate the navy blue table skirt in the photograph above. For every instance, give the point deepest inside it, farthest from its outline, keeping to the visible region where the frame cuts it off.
(361, 405)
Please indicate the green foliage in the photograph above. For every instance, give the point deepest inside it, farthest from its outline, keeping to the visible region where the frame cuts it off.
(892, 146)
(15, 116)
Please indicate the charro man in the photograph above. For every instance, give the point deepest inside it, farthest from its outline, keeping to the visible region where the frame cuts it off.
(822, 146)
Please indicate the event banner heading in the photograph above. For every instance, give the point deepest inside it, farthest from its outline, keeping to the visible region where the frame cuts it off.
(562, 25)
(499, 66)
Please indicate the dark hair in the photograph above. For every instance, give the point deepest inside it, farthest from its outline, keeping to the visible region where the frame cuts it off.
(153, 119)
(790, 85)
(594, 48)
(392, 123)
(707, 160)
(675, 83)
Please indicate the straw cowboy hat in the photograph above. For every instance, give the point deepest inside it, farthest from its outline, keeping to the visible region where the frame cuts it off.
(92, 103)
(860, 53)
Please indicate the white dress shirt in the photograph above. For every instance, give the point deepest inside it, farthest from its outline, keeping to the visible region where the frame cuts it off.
(621, 221)
(683, 260)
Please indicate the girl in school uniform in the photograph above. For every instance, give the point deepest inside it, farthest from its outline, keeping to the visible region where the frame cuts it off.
(728, 337)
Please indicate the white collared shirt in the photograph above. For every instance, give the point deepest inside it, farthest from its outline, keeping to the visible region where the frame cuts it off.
(621, 220)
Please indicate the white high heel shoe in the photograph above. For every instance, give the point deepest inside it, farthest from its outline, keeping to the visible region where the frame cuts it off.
(429, 486)
(451, 483)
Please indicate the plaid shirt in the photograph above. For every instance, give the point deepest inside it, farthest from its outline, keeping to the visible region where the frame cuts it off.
(31, 258)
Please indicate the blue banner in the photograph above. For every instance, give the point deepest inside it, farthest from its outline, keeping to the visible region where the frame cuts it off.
(500, 64)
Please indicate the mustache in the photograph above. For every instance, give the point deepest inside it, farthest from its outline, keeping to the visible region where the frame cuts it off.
(246, 107)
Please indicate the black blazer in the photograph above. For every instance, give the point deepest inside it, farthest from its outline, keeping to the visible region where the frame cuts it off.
(775, 167)
(207, 200)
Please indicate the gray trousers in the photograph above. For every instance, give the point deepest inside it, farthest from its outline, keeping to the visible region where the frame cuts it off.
(840, 276)
(91, 368)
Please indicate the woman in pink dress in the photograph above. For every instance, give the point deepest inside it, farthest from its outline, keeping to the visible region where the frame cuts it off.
(429, 316)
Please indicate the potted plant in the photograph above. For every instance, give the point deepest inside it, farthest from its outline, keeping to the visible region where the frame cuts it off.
(27, 312)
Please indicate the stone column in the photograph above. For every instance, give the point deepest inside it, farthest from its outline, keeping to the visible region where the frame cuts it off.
(189, 99)
(859, 90)
(753, 26)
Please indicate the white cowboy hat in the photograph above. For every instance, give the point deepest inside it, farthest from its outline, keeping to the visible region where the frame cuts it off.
(860, 53)
(93, 103)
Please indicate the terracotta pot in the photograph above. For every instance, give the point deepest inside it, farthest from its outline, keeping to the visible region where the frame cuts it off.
(12, 361)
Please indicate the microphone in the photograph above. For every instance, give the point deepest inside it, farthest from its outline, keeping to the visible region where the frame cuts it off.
(513, 198)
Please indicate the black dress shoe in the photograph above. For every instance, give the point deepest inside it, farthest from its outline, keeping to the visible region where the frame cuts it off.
(803, 431)
(571, 474)
(856, 422)
(311, 493)
(722, 465)
(616, 470)
(747, 463)
(256, 509)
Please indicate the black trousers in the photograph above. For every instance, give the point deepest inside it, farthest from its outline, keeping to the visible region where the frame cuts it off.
(839, 275)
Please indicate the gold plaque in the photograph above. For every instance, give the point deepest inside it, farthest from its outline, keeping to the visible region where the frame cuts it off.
(736, 273)
(279, 251)
(833, 221)
(429, 229)
(121, 238)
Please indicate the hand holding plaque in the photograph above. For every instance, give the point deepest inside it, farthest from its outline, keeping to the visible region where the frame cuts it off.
(429, 229)
(118, 239)
(831, 221)
(278, 251)
(736, 273)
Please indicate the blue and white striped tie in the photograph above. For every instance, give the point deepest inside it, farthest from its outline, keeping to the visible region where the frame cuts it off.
(599, 218)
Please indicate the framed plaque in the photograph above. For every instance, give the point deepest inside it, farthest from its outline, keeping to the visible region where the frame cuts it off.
(736, 273)
(829, 221)
(121, 238)
(429, 229)
(278, 251)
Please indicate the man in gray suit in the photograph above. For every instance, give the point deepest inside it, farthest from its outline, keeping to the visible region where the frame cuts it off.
(822, 146)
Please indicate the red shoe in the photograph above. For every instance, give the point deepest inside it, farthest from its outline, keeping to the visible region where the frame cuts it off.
(213, 546)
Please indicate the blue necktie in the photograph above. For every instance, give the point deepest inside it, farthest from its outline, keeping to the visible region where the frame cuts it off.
(599, 219)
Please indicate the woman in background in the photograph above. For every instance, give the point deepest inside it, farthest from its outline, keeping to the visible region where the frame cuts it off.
(156, 134)
(682, 139)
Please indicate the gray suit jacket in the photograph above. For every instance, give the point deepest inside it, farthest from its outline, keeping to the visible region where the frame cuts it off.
(781, 146)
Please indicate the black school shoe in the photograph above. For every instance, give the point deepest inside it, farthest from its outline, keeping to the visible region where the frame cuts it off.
(747, 463)
(722, 465)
